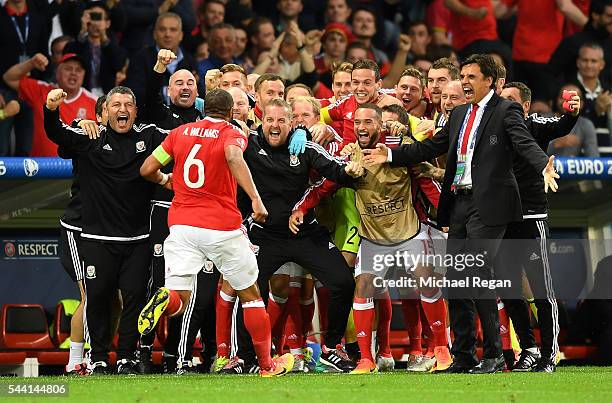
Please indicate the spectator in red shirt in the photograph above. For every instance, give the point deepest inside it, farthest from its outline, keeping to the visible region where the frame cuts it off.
(474, 29)
(437, 17)
(79, 102)
(24, 31)
(530, 58)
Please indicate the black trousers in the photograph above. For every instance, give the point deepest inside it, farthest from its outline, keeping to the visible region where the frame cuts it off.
(200, 316)
(108, 267)
(320, 258)
(469, 236)
(525, 248)
(159, 231)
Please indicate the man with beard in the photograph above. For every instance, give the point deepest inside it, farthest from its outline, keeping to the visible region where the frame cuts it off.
(282, 180)
(369, 134)
(439, 75)
(115, 219)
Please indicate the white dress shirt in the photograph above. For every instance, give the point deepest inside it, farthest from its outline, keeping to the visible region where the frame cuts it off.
(466, 179)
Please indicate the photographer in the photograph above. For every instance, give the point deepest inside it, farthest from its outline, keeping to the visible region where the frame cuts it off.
(97, 46)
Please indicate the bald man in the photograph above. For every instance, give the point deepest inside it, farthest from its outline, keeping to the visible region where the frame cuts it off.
(240, 110)
(452, 95)
(182, 93)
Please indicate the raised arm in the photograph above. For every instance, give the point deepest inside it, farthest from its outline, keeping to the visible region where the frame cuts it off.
(572, 12)
(154, 109)
(547, 129)
(73, 140)
(14, 74)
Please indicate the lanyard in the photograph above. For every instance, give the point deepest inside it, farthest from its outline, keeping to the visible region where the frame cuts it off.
(27, 31)
(462, 157)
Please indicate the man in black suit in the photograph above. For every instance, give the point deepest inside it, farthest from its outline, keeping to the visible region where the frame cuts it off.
(479, 198)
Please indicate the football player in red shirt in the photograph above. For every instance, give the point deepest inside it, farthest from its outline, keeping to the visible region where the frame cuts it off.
(205, 222)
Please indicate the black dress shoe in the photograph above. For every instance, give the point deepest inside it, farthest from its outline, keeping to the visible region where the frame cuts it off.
(456, 368)
(489, 366)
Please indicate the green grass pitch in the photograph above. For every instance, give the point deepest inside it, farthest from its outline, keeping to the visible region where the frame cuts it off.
(568, 384)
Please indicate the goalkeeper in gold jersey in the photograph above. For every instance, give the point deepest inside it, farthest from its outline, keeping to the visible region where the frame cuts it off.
(392, 238)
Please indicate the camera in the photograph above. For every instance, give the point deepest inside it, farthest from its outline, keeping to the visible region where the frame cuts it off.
(95, 16)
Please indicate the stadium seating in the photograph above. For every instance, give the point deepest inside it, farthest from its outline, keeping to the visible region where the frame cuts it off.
(24, 327)
(24, 332)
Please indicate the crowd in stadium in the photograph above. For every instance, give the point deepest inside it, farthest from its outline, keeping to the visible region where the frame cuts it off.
(266, 152)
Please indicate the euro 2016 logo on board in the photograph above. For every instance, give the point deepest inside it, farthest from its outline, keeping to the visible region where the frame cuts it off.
(30, 167)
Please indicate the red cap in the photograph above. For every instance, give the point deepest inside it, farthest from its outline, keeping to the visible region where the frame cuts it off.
(340, 28)
(72, 56)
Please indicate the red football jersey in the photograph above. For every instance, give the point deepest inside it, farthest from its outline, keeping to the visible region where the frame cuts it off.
(34, 92)
(204, 187)
(343, 111)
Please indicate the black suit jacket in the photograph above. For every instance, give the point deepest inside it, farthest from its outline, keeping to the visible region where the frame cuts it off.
(501, 130)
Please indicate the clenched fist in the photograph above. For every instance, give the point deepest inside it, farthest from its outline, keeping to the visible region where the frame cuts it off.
(55, 97)
(405, 43)
(212, 79)
(164, 58)
(39, 62)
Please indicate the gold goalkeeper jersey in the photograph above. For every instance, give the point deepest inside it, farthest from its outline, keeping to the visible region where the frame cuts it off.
(384, 202)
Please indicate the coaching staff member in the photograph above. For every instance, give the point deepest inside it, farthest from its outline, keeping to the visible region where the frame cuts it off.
(182, 92)
(525, 247)
(115, 218)
(282, 179)
(480, 196)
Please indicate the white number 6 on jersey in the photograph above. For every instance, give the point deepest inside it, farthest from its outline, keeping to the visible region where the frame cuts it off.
(192, 160)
